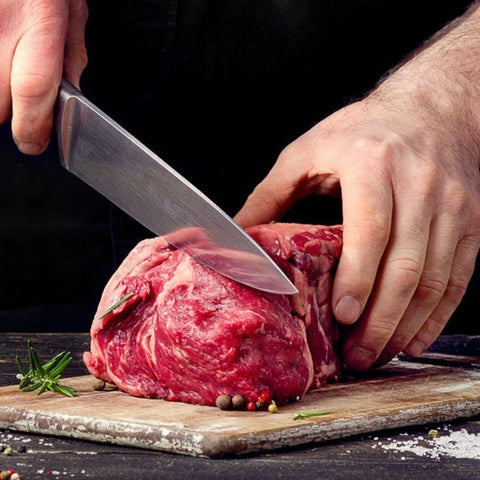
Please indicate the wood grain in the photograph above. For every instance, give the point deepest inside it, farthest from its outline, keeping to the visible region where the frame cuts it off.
(400, 394)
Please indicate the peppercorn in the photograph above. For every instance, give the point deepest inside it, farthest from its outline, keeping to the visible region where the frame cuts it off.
(15, 476)
(264, 397)
(22, 449)
(272, 408)
(433, 433)
(8, 451)
(238, 401)
(223, 402)
(251, 406)
(98, 384)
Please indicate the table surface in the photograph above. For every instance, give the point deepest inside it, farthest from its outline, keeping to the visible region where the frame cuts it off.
(408, 453)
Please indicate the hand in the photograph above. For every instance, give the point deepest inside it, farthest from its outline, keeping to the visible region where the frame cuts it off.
(41, 40)
(406, 159)
(411, 205)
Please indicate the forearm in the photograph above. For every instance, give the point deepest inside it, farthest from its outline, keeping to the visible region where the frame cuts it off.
(441, 81)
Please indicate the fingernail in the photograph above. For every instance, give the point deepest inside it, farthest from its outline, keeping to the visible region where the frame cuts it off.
(383, 359)
(358, 358)
(30, 148)
(348, 310)
(416, 348)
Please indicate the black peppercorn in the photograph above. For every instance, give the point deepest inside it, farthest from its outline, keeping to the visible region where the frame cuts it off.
(238, 401)
(224, 402)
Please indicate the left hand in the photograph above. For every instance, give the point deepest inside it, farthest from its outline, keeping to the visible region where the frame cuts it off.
(410, 187)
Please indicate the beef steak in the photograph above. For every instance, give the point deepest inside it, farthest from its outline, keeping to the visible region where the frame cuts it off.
(183, 332)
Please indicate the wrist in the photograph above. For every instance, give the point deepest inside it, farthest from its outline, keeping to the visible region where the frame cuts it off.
(438, 87)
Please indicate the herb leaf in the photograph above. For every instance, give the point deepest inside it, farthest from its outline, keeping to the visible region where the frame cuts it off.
(310, 414)
(44, 376)
(116, 304)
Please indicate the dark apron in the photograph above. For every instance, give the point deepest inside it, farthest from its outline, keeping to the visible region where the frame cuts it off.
(217, 88)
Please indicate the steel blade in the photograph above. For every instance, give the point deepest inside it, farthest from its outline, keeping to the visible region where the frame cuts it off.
(105, 156)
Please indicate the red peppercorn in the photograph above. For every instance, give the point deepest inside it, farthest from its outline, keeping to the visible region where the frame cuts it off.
(251, 406)
(264, 397)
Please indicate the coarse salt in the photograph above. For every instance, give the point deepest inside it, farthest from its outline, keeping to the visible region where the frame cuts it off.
(456, 444)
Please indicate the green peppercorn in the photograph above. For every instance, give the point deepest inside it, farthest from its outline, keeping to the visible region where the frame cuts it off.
(223, 402)
(98, 384)
(272, 408)
(8, 451)
(4, 475)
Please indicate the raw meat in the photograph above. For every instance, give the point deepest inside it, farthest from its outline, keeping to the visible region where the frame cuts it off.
(186, 333)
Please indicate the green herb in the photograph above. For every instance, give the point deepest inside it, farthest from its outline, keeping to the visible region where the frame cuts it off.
(45, 376)
(310, 414)
(115, 305)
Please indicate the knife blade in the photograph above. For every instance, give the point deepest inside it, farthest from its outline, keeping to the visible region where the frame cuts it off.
(104, 155)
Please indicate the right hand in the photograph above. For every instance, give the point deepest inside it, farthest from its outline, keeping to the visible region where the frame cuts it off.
(41, 42)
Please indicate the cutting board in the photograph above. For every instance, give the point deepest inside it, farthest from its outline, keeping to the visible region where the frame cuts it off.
(397, 395)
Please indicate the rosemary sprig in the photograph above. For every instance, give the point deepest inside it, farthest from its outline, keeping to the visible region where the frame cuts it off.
(45, 376)
(310, 414)
(116, 304)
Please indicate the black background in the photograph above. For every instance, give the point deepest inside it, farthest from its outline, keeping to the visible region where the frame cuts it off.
(216, 88)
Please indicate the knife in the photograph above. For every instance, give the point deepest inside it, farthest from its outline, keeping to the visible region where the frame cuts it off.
(100, 152)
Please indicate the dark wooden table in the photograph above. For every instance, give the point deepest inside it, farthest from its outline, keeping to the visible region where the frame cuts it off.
(374, 456)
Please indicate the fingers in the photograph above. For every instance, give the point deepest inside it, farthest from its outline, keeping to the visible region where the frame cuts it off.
(5, 96)
(36, 72)
(398, 275)
(367, 213)
(40, 41)
(75, 52)
(461, 273)
(430, 291)
(412, 315)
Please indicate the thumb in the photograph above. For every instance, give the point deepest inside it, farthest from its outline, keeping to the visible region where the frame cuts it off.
(277, 192)
(36, 69)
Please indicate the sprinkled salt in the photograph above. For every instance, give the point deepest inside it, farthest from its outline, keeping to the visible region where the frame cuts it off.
(456, 444)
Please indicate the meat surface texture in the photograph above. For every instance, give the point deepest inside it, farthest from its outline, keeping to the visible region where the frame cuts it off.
(183, 332)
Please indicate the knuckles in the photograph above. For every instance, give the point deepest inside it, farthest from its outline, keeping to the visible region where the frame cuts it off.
(30, 86)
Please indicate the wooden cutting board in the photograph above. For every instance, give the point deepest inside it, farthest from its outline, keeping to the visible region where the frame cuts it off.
(398, 395)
